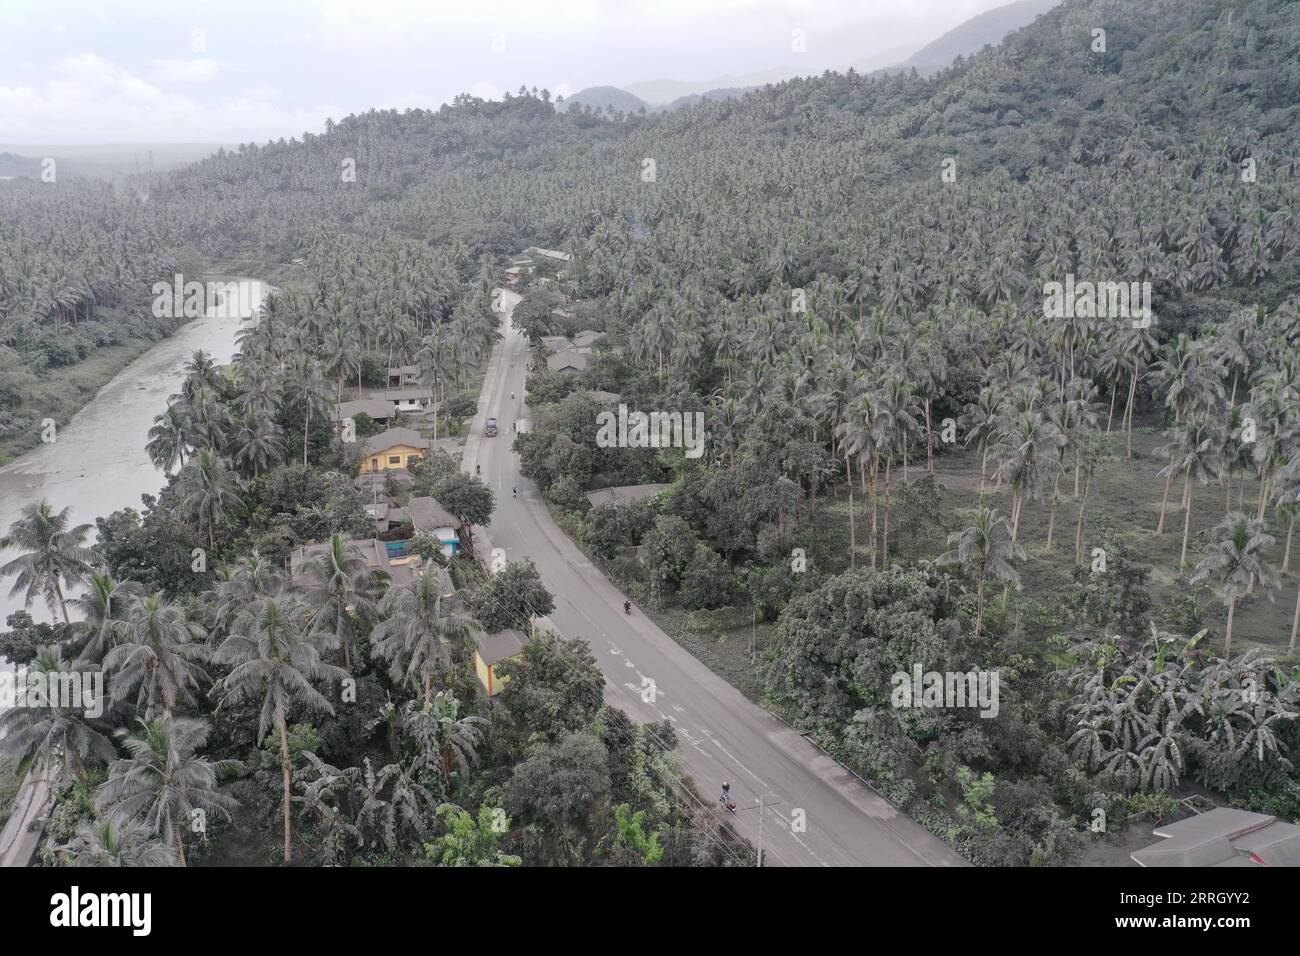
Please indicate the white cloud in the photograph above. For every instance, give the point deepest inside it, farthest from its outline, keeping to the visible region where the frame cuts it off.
(199, 70)
(91, 100)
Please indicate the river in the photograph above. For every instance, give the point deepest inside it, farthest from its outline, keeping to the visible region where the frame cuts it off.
(98, 463)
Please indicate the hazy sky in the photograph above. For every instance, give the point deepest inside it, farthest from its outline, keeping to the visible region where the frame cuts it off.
(233, 71)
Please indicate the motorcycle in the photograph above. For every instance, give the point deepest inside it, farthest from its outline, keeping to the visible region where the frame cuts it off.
(729, 806)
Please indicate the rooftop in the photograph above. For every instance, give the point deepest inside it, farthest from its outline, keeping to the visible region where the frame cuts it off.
(566, 360)
(500, 645)
(376, 408)
(624, 494)
(1224, 836)
(394, 437)
(427, 514)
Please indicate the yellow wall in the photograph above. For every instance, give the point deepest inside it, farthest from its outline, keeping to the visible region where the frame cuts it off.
(405, 454)
(487, 676)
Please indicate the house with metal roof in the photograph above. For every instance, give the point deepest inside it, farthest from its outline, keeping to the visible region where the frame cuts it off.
(492, 649)
(379, 410)
(625, 494)
(1224, 836)
(567, 361)
(395, 448)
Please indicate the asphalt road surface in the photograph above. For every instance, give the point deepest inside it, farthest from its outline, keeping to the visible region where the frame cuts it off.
(723, 736)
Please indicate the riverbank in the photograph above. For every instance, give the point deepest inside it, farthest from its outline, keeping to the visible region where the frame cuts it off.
(61, 393)
(98, 463)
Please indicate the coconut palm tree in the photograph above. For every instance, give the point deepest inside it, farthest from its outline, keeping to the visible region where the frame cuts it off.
(116, 841)
(307, 388)
(1029, 455)
(257, 442)
(54, 729)
(166, 446)
(54, 554)
(419, 626)
(102, 609)
(1234, 557)
(157, 652)
(209, 492)
(343, 589)
(985, 548)
(275, 655)
(164, 782)
(1198, 461)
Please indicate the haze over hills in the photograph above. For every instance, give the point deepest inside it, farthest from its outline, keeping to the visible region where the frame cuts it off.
(103, 160)
(988, 28)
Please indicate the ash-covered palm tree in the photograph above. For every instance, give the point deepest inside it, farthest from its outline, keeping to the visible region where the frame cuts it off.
(1234, 558)
(55, 728)
(1197, 459)
(257, 443)
(53, 554)
(157, 653)
(167, 439)
(985, 548)
(276, 654)
(116, 840)
(102, 609)
(239, 587)
(164, 781)
(307, 388)
(1029, 455)
(415, 636)
(209, 491)
(342, 588)
(202, 370)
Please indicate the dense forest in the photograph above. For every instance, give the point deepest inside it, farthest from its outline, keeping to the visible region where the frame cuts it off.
(910, 459)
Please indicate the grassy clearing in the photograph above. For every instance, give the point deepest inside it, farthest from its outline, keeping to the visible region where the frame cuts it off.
(62, 392)
(1123, 504)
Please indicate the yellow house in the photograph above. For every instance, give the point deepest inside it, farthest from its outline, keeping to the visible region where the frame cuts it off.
(492, 650)
(395, 448)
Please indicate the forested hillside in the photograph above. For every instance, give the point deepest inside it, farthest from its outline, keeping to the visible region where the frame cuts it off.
(910, 460)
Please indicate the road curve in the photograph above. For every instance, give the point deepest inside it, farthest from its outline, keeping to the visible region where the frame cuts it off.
(723, 735)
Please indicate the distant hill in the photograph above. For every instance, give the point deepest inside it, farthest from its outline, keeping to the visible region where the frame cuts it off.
(12, 164)
(599, 97)
(727, 93)
(988, 29)
(106, 160)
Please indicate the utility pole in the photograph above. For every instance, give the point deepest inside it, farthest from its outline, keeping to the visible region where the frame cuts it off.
(760, 830)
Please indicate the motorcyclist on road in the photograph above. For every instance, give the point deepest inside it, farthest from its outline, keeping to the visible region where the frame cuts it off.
(514, 492)
(477, 470)
(627, 607)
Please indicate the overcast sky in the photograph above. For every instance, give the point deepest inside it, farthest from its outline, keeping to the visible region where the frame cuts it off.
(229, 71)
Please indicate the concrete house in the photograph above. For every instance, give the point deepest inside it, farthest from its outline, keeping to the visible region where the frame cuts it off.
(427, 516)
(380, 556)
(568, 361)
(403, 376)
(492, 649)
(378, 410)
(395, 448)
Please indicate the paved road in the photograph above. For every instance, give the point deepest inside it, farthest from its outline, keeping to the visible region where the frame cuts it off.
(723, 735)
(18, 839)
